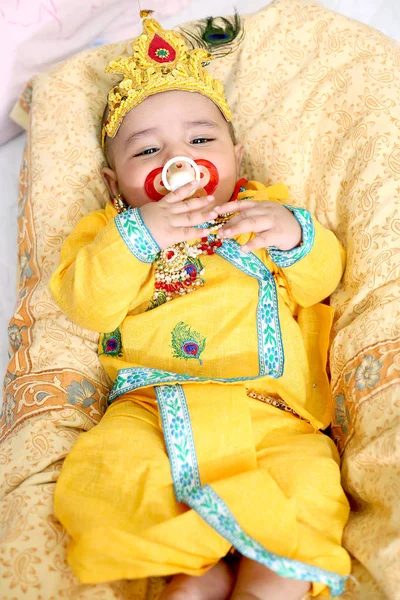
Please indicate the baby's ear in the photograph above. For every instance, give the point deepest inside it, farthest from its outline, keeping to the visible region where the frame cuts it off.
(110, 179)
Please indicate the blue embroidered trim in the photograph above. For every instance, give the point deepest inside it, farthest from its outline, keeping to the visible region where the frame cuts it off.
(179, 439)
(206, 502)
(133, 378)
(270, 346)
(136, 235)
(287, 258)
(214, 511)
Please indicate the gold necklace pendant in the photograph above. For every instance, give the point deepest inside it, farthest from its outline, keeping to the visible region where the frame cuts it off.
(178, 272)
(178, 268)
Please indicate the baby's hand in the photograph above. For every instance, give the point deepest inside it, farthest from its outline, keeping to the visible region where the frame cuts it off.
(172, 219)
(274, 224)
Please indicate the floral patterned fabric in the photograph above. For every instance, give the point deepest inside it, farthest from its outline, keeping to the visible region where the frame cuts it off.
(316, 102)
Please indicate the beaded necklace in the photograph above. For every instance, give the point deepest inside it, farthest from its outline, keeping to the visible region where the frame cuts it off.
(178, 268)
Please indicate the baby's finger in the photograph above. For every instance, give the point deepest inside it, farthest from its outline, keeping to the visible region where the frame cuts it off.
(191, 218)
(257, 212)
(233, 207)
(249, 223)
(191, 205)
(186, 234)
(182, 193)
(262, 240)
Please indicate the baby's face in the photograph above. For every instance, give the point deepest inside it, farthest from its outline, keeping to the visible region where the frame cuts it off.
(166, 125)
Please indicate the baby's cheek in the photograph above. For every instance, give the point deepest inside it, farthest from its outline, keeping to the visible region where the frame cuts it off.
(135, 197)
(131, 185)
(225, 189)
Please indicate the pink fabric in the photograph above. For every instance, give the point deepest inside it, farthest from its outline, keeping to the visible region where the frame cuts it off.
(34, 34)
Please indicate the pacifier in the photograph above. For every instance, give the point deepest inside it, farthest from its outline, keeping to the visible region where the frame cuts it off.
(177, 172)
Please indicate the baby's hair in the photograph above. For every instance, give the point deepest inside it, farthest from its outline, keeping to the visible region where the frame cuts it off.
(107, 143)
(232, 132)
(107, 140)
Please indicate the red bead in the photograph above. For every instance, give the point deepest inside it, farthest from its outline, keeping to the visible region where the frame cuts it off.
(158, 285)
(170, 254)
(203, 246)
(204, 239)
(218, 243)
(187, 282)
(210, 251)
(193, 275)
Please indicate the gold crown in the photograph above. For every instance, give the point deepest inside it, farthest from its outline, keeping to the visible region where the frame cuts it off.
(160, 61)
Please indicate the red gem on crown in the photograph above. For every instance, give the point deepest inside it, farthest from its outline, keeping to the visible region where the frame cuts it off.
(160, 50)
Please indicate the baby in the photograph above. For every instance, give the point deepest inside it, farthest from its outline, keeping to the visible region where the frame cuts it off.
(211, 442)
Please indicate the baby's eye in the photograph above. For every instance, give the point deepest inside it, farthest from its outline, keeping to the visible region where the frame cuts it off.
(147, 151)
(202, 140)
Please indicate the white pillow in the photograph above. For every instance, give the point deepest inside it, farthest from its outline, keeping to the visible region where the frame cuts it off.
(35, 34)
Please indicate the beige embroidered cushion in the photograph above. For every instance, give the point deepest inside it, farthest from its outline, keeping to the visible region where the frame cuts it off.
(315, 98)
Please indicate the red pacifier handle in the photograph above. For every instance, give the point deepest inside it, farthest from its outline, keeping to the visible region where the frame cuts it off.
(209, 178)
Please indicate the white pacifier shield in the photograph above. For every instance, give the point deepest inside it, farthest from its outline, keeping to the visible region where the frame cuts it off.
(179, 176)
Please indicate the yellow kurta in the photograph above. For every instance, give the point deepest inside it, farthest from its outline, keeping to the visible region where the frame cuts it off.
(253, 328)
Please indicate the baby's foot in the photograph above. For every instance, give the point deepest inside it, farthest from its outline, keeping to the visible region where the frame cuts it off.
(216, 584)
(257, 582)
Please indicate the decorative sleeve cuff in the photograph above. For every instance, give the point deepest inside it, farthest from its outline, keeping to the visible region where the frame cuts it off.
(287, 258)
(136, 235)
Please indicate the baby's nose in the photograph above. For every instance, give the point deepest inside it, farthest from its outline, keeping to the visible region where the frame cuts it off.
(178, 149)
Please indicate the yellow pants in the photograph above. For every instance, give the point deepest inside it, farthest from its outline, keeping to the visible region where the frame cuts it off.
(273, 473)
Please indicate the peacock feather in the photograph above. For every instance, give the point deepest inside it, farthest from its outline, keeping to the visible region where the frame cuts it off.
(112, 343)
(187, 343)
(219, 35)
